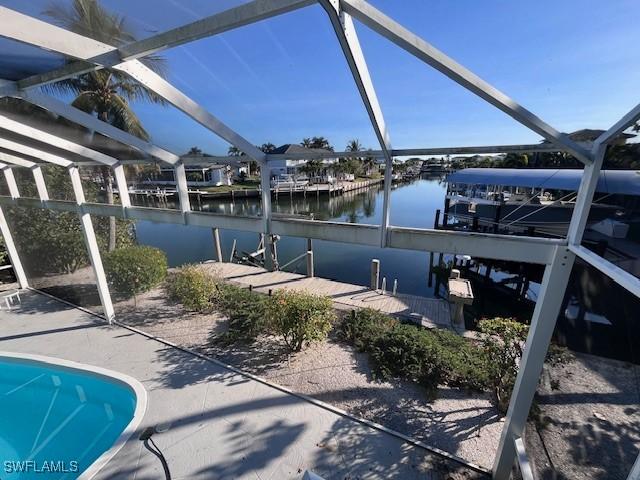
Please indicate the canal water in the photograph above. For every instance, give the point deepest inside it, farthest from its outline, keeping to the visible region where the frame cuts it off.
(412, 205)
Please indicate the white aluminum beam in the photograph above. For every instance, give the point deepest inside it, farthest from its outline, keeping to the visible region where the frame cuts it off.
(545, 314)
(175, 97)
(586, 190)
(415, 45)
(498, 247)
(92, 123)
(181, 185)
(16, 160)
(92, 246)
(55, 141)
(634, 474)
(232, 18)
(348, 39)
(63, 144)
(414, 152)
(31, 31)
(265, 192)
(621, 277)
(482, 245)
(34, 152)
(35, 170)
(620, 126)
(13, 252)
(11, 180)
(121, 182)
(41, 186)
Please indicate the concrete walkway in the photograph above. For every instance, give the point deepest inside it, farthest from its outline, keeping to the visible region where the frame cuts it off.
(431, 312)
(223, 425)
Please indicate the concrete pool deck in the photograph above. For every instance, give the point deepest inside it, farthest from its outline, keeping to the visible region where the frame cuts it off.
(221, 424)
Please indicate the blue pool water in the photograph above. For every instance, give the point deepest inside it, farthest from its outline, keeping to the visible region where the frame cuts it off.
(56, 421)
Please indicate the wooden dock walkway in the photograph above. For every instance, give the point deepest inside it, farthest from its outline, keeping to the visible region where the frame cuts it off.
(430, 312)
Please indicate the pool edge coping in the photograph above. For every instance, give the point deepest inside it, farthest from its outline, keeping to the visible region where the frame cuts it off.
(135, 385)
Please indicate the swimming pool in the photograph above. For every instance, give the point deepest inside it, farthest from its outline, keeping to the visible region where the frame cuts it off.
(60, 419)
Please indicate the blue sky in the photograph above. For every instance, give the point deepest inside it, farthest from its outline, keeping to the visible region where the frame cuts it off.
(575, 63)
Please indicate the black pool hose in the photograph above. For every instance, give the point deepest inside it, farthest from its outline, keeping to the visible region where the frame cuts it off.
(146, 439)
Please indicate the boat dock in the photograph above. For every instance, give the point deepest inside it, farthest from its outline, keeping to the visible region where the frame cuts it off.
(161, 194)
(429, 312)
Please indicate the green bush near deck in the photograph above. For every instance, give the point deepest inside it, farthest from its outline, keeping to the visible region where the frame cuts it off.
(429, 357)
(363, 327)
(245, 310)
(136, 269)
(193, 287)
(409, 353)
(299, 318)
(502, 341)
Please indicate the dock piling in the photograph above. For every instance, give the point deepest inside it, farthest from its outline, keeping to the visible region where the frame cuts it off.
(375, 274)
(216, 243)
(310, 272)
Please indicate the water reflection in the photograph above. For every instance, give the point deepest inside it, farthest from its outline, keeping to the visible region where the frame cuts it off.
(412, 205)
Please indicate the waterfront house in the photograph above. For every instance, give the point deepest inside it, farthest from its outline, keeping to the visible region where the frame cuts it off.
(209, 175)
(295, 166)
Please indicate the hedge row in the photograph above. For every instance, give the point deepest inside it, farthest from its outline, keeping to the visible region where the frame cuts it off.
(297, 318)
(439, 357)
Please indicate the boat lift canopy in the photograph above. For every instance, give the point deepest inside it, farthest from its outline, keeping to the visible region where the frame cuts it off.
(623, 182)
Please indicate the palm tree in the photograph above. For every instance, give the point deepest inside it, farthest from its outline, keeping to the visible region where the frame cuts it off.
(234, 151)
(354, 145)
(105, 93)
(195, 151)
(267, 147)
(316, 142)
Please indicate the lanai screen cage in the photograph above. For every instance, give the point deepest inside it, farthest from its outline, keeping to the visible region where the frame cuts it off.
(28, 146)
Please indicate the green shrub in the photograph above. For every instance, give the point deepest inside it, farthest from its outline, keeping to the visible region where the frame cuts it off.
(299, 318)
(193, 287)
(245, 310)
(136, 269)
(363, 327)
(429, 357)
(409, 353)
(502, 341)
(464, 362)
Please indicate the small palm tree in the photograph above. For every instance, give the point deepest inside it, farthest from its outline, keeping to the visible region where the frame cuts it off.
(234, 151)
(105, 93)
(267, 147)
(354, 145)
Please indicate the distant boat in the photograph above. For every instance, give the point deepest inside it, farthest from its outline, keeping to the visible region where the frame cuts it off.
(542, 199)
(433, 167)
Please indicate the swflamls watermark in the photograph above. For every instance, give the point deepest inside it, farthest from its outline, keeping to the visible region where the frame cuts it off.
(44, 466)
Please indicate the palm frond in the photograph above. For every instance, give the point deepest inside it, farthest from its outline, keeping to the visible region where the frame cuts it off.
(121, 116)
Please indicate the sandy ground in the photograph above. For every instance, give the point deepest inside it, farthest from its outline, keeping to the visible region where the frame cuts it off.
(461, 423)
(589, 407)
(590, 410)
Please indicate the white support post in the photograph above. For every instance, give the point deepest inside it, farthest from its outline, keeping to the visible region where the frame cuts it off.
(634, 474)
(12, 251)
(11, 182)
(40, 183)
(265, 186)
(121, 182)
(181, 186)
(552, 291)
(587, 188)
(92, 246)
(348, 38)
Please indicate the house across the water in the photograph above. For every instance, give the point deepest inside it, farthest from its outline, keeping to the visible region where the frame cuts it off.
(295, 167)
